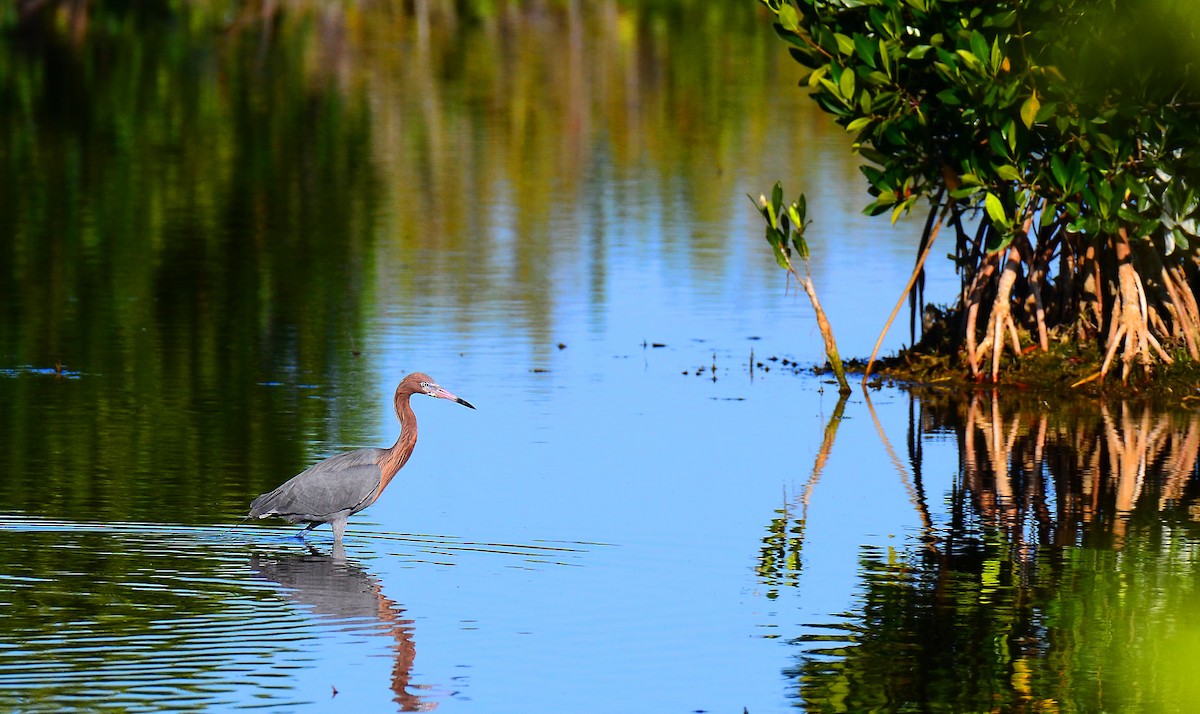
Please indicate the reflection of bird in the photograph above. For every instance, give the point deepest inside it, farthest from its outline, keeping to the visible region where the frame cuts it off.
(329, 586)
(332, 490)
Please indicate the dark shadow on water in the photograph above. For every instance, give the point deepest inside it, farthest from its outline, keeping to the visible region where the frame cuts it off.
(328, 585)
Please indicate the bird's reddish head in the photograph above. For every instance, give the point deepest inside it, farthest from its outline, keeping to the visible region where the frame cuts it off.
(421, 383)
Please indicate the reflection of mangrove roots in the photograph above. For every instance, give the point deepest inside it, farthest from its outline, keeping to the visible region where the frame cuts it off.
(1133, 443)
(1095, 469)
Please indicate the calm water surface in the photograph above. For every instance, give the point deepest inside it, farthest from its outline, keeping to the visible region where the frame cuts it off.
(228, 235)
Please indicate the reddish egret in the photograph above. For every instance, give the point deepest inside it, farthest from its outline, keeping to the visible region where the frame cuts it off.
(332, 490)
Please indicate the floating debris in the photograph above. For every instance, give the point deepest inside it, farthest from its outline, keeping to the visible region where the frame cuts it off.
(57, 371)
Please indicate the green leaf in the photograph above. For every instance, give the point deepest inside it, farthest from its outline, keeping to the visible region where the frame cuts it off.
(1059, 171)
(918, 52)
(772, 236)
(949, 96)
(1008, 172)
(1047, 217)
(995, 209)
(788, 18)
(858, 124)
(1128, 215)
(779, 247)
(880, 204)
(999, 240)
(844, 43)
(817, 75)
(979, 47)
(801, 246)
(902, 207)
(776, 199)
(1181, 240)
(972, 61)
(1029, 110)
(794, 217)
(846, 84)
(865, 49)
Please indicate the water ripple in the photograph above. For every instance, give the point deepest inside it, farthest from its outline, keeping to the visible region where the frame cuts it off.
(161, 617)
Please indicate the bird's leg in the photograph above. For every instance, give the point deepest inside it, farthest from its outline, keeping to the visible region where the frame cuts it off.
(307, 528)
(339, 527)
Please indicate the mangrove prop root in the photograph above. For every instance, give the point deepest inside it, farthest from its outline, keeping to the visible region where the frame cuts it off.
(1130, 324)
(1000, 322)
(911, 281)
(975, 296)
(1182, 307)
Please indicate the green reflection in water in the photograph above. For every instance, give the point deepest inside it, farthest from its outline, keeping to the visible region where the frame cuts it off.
(1061, 578)
(172, 618)
(128, 619)
(187, 216)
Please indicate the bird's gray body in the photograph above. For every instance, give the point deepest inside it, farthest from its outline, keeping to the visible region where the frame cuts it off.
(329, 491)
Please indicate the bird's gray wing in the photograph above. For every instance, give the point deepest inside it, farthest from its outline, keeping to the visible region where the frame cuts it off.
(336, 486)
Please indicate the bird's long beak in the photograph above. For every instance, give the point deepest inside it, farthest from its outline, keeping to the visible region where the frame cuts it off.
(443, 393)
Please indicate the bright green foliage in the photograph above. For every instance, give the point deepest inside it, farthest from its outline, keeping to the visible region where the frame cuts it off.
(785, 232)
(1010, 104)
(1058, 123)
(785, 225)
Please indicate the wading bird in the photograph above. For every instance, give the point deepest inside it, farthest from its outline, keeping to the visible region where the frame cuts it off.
(332, 490)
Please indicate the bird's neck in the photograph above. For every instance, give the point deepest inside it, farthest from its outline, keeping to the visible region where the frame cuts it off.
(395, 457)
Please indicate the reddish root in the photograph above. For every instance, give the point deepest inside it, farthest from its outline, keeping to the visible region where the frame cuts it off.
(1000, 321)
(1130, 326)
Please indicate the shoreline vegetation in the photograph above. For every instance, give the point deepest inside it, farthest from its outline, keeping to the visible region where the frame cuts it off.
(1068, 370)
(1058, 143)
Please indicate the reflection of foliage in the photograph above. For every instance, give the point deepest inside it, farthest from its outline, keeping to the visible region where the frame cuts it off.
(99, 620)
(1083, 630)
(921, 641)
(191, 218)
(780, 559)
(1061, 577)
